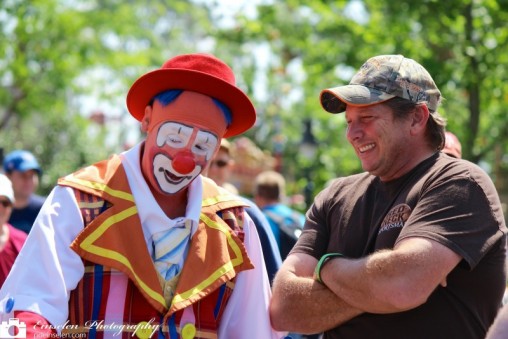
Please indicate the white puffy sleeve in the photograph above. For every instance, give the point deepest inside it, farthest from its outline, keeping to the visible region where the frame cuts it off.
(246, 315)
(46, 269)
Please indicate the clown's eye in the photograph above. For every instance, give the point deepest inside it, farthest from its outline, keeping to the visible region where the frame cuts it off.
(173, 140)
(173, 135)
(201, 148)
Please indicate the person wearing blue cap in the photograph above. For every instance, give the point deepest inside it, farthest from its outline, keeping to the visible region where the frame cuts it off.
(22, 168)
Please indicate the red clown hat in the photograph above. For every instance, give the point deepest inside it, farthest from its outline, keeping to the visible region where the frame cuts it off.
(201, 73)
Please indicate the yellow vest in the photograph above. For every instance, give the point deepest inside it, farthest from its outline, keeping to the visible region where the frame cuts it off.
(114, 238)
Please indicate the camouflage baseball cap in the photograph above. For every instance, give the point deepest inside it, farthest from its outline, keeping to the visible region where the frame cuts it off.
(381, 78)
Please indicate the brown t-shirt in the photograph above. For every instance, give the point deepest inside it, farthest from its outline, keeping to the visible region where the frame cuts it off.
(451, 201)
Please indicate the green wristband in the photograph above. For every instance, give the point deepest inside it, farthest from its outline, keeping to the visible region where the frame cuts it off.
(324, 259)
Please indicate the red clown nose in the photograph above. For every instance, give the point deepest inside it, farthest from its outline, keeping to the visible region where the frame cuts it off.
(184, 163)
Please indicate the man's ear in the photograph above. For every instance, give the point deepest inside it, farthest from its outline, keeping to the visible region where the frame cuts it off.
(145, 122)
(420, 118)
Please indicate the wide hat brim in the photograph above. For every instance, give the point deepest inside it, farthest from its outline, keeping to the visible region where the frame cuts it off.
(143, 90)
(335, 100)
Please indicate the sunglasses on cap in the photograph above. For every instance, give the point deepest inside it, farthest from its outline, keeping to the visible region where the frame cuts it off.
(5, 203)
(220, 163)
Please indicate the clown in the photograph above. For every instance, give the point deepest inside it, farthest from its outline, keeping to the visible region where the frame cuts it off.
(182, 147)
(142, 244)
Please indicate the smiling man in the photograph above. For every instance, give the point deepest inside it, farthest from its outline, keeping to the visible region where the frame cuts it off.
(412, 248)
(142, 243)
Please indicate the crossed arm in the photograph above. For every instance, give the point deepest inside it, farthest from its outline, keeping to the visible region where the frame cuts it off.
(301, 304)
(385, 282)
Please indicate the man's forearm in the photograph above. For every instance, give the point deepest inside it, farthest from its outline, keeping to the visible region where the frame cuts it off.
(374, 283)
(391, 281)
(305, 306)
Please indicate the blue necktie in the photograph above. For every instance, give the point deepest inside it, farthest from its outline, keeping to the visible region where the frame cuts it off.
(169, 248)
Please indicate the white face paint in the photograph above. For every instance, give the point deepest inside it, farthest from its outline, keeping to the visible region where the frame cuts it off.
(174, 138)
(178, 136)
(167, 178)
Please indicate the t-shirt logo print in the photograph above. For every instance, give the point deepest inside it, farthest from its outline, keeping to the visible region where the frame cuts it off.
(395, 218)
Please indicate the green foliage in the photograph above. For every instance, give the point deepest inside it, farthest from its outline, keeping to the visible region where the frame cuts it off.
(460, 42)
(62, 144)
(55, 53)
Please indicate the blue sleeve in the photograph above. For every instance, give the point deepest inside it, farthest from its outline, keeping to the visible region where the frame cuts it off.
(271, 251)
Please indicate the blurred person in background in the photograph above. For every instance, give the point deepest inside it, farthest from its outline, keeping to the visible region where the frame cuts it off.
(452, 145)
(286, 223)
(220, 170)
(22, 168)
(11, 239)
(221, 167)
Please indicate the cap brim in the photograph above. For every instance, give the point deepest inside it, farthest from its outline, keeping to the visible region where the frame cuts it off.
(335, 100)
(29, 167)
(147, 86)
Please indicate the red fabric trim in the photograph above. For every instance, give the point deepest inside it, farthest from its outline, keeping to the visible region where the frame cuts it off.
(35, 324)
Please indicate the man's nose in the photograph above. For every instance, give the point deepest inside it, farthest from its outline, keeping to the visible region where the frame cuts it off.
(353, 131)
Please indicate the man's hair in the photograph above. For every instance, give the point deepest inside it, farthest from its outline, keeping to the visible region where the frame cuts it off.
(270, 185)
(436, 124)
